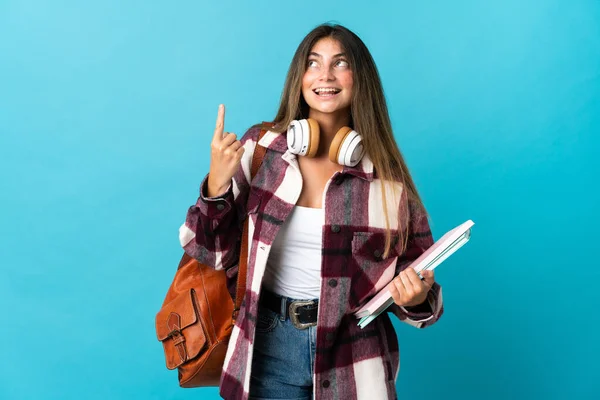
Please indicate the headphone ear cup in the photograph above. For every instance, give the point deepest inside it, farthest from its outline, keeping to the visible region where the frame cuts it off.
(346, 147)
(303, 137)
(314, 135)
(336, 144)
(298, 137)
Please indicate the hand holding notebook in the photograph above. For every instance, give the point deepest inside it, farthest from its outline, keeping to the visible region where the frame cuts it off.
(431, 258)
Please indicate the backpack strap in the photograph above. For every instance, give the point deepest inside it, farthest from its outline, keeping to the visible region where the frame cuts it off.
(257, 159)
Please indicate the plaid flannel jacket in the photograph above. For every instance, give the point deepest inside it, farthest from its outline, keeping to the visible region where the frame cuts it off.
(350, 363)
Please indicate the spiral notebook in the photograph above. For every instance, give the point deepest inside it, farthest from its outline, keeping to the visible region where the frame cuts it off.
(431, 258)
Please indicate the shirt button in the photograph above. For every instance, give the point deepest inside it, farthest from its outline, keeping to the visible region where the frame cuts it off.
(332, 282)
(326, 384)
(335, 228)
(220, 207)
(329, 337)
(377, 253)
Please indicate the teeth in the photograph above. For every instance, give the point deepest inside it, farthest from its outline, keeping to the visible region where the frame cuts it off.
(326, 90)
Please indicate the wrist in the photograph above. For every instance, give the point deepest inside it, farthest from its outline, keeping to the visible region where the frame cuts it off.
(214, 190)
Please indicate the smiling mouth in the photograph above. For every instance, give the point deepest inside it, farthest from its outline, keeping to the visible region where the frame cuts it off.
(326, 92)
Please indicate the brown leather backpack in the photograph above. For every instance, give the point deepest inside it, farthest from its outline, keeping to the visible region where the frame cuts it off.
(198, 313)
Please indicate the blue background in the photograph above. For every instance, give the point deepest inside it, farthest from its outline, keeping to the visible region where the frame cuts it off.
(106, 115)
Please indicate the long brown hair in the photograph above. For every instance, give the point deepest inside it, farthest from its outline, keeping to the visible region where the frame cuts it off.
(369, 117)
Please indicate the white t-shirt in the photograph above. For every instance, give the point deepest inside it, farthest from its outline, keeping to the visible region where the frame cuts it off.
(294, 263)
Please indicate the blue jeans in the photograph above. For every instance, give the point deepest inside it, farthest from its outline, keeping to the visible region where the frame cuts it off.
(283, 360)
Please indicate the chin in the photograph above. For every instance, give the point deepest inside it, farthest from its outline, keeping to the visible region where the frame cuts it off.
(327, 108)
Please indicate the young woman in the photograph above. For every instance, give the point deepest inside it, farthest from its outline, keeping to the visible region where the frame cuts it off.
(334, 216)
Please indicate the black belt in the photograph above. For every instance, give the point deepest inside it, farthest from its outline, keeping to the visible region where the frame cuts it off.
(302, 313)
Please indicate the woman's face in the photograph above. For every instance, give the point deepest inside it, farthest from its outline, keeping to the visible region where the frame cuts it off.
(327, 82)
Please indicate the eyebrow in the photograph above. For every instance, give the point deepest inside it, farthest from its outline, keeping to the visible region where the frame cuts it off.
(312, 53)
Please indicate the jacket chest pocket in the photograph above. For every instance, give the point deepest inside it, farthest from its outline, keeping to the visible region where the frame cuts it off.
(370, 270)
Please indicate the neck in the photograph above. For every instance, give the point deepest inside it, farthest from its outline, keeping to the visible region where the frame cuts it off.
(329, 125)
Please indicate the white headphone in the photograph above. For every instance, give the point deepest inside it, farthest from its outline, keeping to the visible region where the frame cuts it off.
(346, 147)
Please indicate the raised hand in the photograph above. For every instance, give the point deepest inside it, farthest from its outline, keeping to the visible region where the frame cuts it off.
(225, 155)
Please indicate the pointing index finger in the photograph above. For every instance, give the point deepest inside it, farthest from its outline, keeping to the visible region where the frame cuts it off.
(220, 122)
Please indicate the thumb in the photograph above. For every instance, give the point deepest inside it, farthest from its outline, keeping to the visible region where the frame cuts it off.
(428, 277)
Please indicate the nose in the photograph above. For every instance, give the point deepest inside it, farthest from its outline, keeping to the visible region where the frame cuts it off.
(327, 75)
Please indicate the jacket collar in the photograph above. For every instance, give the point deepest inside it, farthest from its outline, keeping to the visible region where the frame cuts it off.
(274, 141)
(278, 142)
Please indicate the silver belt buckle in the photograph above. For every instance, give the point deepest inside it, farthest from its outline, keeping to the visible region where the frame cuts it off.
(294, 314)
